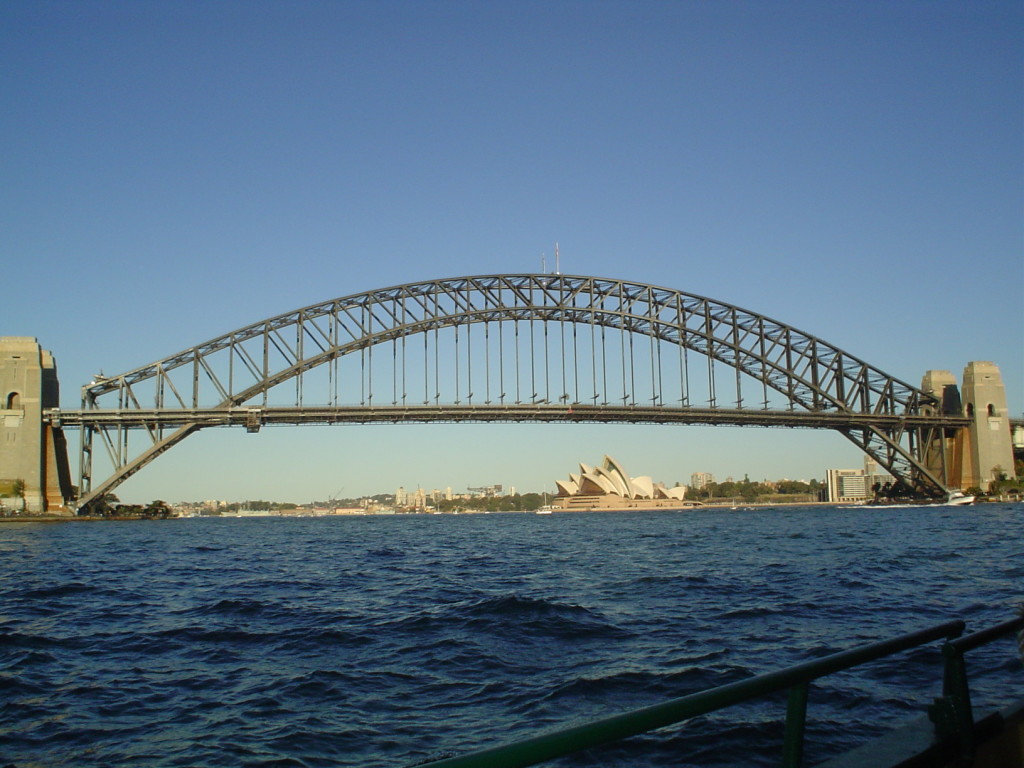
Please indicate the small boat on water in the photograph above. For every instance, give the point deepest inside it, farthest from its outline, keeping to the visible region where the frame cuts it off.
(958, 499)
(545, 508)
(953, 499)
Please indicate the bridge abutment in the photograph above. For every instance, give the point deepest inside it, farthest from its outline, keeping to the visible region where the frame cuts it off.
(990, 447)
(34, 472)
(976, 455)
(943, 448)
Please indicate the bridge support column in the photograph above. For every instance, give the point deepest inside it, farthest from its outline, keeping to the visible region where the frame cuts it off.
(34, 470)
(975, 455)
(990, 444)
(943, 449)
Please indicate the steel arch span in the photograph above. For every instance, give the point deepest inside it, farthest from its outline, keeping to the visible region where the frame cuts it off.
(515, 348)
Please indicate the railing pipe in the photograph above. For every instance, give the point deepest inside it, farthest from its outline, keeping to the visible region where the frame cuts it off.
(984, 636)
(560, 743)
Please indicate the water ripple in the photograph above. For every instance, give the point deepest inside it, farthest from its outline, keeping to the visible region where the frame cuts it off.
(386, 641)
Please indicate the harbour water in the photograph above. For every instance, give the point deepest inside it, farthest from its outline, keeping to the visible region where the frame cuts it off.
(385, 641)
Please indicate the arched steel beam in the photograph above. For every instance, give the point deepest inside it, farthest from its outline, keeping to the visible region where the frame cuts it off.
(820, 373)
(811, 374)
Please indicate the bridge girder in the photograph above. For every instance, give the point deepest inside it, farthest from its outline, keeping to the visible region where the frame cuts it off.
(818, 382)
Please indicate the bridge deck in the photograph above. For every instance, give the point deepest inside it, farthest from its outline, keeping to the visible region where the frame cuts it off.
(256, 416)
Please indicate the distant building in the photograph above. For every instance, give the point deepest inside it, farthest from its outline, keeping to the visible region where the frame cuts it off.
(487, 491)
(856, 484)
(700, 480)
(846, 485)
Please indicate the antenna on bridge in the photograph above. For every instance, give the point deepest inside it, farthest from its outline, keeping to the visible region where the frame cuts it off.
(558, 269)
(543, 264)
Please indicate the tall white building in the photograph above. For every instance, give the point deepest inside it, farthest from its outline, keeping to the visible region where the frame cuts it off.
(845, 485)
(856, 484)
(699, 480)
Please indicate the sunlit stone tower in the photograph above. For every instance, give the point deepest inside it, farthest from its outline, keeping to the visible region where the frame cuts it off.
(990, 447)
(33, 455)
(975, 456)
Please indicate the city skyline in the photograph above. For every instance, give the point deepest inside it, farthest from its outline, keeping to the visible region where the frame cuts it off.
(448, 491)
(177, 171)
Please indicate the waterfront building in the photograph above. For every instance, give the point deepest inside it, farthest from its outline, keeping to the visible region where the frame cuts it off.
(608, 486)
(846, 485)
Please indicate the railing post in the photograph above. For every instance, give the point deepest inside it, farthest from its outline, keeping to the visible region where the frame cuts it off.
(952, 714)
(796, 719)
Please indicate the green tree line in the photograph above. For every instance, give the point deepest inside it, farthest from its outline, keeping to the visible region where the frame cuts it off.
(748, 491)
(525, 502)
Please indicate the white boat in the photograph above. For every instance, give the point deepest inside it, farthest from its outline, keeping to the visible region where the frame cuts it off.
(545, 508)
(953, 499)
(958, 499)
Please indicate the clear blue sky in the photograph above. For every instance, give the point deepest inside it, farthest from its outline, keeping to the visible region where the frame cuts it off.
(172, 171)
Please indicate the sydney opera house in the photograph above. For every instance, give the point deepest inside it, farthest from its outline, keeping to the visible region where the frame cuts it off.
(608, 487)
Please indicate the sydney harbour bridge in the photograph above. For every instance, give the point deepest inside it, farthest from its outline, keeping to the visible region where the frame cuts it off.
(510, 348)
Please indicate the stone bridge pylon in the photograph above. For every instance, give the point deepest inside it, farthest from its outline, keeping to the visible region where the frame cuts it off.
(34, 474)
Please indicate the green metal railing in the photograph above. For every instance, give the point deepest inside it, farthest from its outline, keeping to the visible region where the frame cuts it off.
(954, 708)
(953, 714)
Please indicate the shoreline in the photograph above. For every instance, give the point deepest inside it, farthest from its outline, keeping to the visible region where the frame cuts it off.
(724, 505)
(741, 507)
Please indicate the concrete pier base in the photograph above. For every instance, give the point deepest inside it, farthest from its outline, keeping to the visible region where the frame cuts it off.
(33, 455)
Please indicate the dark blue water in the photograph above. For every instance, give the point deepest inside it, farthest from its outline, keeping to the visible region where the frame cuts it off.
(382, 641)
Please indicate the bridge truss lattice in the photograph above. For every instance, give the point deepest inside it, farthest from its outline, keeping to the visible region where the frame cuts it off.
(509, 348)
